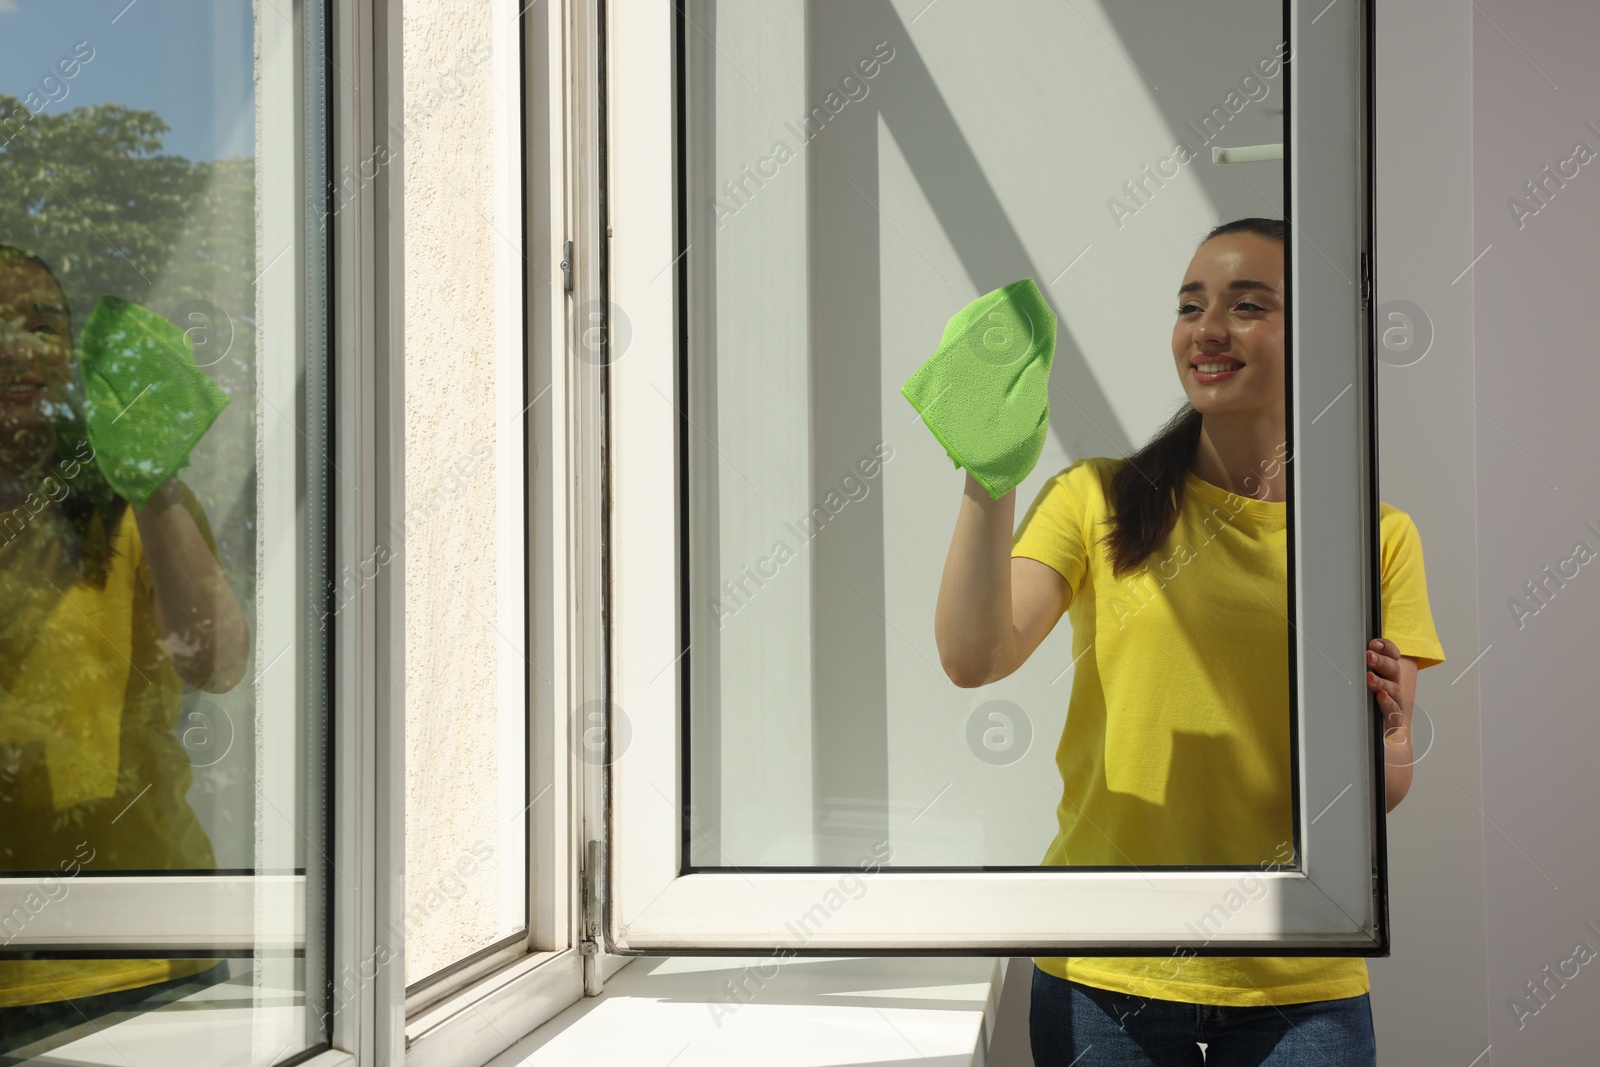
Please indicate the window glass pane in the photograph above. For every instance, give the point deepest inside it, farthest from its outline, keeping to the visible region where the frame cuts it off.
(164, 497)
(462, 542)
(856, 175)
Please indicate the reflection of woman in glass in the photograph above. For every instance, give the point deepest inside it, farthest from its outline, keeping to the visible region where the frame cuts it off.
(1173, 565)
(106, 612)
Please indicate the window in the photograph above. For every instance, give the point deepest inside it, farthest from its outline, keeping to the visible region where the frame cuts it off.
(169, 578)
(845, 177)
(519, 334)
(499, 616)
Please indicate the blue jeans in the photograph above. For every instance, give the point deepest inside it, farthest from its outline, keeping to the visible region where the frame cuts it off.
(1072, 1023)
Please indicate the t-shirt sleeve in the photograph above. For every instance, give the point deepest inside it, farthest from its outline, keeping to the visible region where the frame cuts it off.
(1052, 530)
(1407, 619)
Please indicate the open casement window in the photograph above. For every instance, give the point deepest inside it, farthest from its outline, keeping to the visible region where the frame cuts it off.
(211, 837)
(797, 196)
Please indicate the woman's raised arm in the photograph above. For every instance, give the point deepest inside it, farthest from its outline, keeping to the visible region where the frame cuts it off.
(202, 628)
(993, 610)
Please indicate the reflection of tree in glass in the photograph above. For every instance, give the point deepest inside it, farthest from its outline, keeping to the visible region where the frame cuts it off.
(90, 191)
(92, 759)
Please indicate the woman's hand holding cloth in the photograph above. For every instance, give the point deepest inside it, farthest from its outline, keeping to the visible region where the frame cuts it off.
(148, 405)
(984, 392)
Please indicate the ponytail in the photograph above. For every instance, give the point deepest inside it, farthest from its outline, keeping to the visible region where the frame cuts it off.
(1147, 490)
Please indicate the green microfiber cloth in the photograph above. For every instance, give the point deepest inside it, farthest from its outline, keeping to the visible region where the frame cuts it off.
(146, 403)
(984, 392)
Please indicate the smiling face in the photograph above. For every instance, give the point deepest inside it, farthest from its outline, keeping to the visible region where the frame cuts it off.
(35, 363)
(1228, 337)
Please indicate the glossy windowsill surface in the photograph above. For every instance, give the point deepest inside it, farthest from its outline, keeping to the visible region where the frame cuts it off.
(691, 1011)
(680, 1010)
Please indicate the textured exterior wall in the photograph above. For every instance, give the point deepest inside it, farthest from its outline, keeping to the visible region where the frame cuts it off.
(453, 759)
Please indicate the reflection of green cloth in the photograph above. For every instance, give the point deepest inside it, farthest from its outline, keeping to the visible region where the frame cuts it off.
(984, 392)
(148, 405)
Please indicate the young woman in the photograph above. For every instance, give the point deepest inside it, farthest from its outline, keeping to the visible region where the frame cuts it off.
(106, 611)
(1172, 563)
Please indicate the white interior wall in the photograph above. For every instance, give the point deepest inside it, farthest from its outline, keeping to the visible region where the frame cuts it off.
(1535, 97)
(1427, 996)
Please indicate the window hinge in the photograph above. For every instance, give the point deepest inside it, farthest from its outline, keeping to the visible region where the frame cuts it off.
(1366, 280)
(589, 943)
(566, 266)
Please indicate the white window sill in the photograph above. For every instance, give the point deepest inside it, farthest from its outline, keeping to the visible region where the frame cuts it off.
(797, 1011)
(677, 1010)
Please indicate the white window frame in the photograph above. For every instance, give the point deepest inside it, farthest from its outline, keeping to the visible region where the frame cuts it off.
(474, 1014)
(505, 994)
(480, 1010)
(1332, 903)
(185, 911)
(500, 998)
(269, 914)
(588, 918)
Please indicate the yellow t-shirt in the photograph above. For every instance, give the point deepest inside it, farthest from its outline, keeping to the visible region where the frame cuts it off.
(1176, 744)
(93, 777)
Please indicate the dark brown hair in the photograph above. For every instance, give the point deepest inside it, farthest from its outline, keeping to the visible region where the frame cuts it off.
(1147, 490)
(91, 508)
